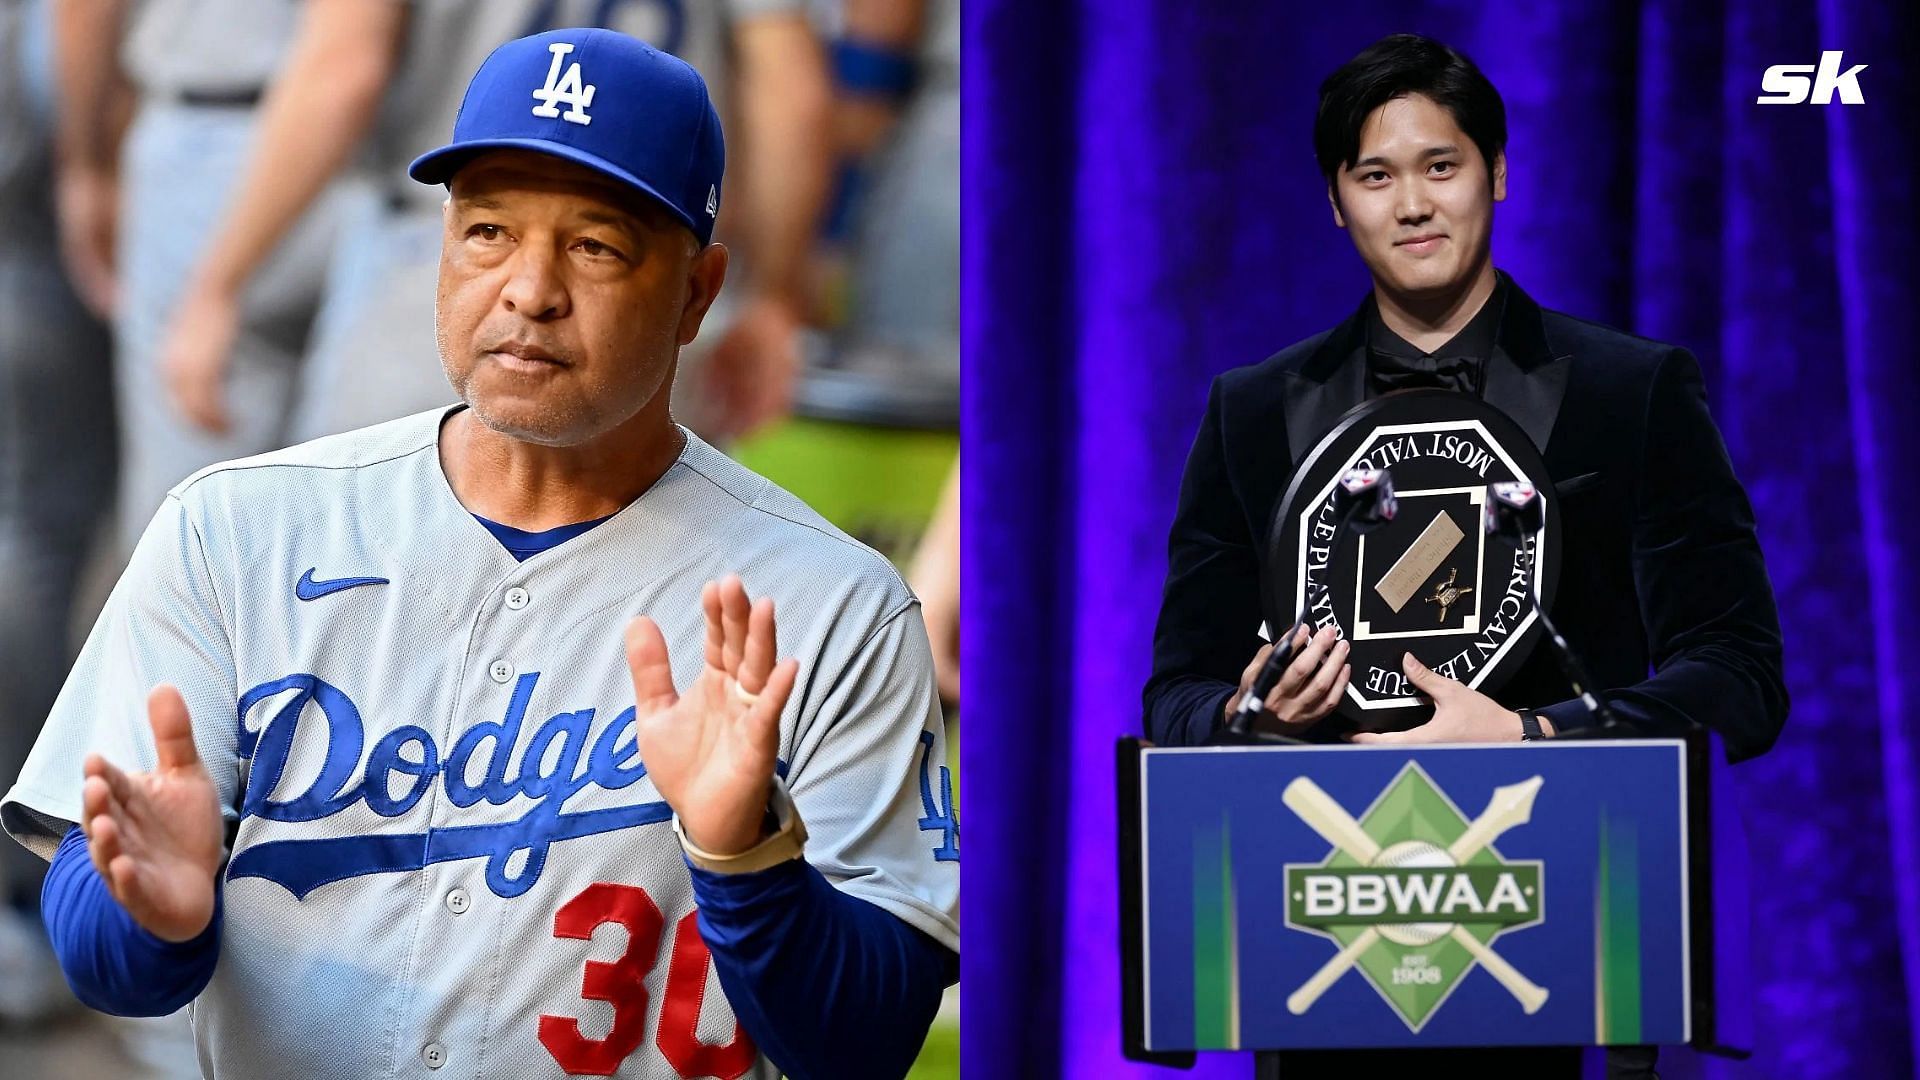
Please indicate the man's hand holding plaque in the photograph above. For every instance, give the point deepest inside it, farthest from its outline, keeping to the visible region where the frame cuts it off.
(1309, 689)
(1461, 714)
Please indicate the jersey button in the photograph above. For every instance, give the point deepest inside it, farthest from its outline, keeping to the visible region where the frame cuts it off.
(434, 1055)
(501, 671)
(517, 598)
(457, 901)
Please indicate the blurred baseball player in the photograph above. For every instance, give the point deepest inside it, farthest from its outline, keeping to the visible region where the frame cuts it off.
(378, 732)
(368, 87)
(56, 469)
(138, 213)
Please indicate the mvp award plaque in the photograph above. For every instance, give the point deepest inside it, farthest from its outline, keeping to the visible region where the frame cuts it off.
(1432, 581)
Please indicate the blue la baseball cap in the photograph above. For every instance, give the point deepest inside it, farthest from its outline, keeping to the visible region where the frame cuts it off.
(602, 99)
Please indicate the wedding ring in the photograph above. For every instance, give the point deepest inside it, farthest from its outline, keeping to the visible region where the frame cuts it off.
(740, 692)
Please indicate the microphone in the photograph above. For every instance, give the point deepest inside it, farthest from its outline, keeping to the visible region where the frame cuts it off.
(1514, 512)
(1363, 502)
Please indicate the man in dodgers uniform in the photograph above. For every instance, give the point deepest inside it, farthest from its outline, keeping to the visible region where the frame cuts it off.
(500, 777)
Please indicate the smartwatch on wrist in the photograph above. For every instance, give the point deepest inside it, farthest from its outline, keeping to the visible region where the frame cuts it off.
(788, 840)
(1530, 726)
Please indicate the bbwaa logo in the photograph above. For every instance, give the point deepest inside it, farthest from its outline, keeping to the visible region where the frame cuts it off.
(1413, 892)
(568, 89)
(1787, 84)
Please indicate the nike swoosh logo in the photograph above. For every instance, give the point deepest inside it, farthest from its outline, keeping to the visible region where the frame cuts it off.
(308, 589)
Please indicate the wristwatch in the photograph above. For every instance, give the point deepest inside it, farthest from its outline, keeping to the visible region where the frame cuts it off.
(1530, 726)
(788, 841)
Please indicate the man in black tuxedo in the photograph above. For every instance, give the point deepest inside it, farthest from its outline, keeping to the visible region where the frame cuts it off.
(1664, 592)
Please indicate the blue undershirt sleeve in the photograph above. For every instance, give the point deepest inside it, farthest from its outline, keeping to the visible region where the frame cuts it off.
(827, 984)
(112, 963)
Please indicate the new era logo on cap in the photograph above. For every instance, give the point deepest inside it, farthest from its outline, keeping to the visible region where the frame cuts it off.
(600, 99)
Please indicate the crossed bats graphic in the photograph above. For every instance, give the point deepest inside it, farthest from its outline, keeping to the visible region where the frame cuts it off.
(1446, 593)
(1510, 806)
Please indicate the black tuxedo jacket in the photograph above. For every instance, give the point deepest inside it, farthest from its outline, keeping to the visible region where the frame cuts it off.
(1662, 590)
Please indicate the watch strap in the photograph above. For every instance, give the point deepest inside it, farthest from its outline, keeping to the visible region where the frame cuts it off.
(788, 842)
(1530, 730)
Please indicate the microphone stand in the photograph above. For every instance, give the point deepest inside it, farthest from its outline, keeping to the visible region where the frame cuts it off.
(1513, 513)
(1239, 729)
(1610, 725)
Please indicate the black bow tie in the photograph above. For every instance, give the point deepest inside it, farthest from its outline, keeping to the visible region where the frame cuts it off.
(1392, 371)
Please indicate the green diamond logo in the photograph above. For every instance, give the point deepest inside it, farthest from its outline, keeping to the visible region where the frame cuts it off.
(1414, 892)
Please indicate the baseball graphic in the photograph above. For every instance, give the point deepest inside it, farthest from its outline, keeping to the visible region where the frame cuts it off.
(1414, 854)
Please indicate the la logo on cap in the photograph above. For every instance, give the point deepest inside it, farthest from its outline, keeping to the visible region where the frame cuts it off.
(568, 89)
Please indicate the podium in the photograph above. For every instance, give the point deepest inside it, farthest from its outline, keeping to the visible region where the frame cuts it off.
(1554, 893)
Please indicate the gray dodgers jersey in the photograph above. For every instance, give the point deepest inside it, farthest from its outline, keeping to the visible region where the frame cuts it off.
(445, 849)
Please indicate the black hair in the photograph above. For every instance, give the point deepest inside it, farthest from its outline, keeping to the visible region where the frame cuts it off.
(1394, 67)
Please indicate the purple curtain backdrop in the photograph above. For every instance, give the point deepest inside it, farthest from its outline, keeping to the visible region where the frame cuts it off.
(1143, 212)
